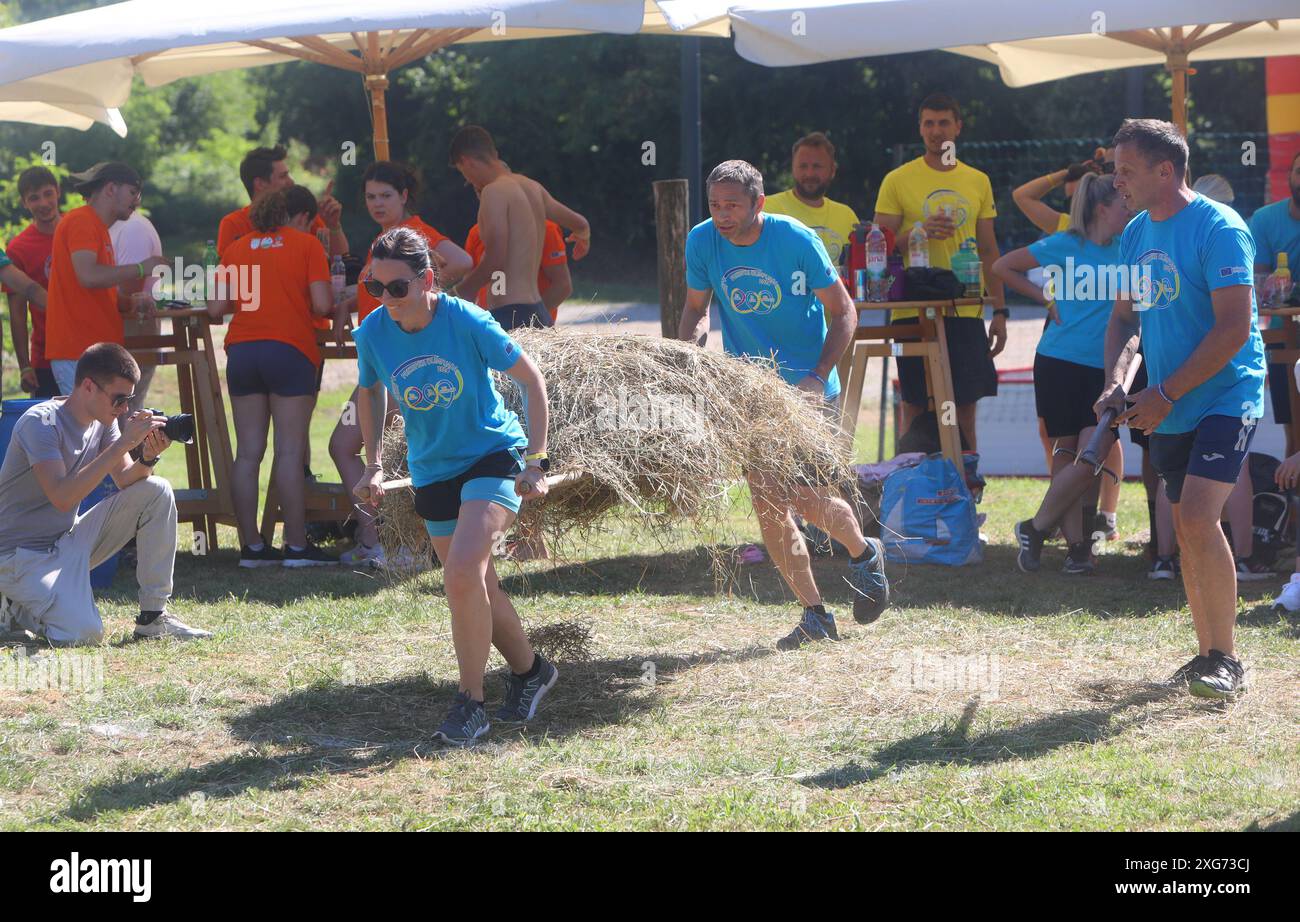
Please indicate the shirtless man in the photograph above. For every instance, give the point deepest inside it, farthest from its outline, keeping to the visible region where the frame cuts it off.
(512, 216)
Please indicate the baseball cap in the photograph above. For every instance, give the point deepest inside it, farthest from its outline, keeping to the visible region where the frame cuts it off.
(107, 171)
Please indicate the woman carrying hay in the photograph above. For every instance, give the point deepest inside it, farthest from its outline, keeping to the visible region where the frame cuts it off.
(469, 459)
(391, 191)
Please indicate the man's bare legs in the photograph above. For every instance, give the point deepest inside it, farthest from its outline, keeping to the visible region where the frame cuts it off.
(1209, 574)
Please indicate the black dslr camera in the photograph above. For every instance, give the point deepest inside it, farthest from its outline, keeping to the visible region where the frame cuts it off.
(179, 428)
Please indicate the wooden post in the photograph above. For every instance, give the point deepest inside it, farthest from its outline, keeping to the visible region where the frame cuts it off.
(671, 226)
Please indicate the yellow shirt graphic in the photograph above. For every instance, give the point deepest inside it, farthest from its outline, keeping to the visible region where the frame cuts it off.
(832, 222)
(915, 190)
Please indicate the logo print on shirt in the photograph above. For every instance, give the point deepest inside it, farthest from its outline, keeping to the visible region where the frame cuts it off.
(833, 242)
(957, 204)
(427, 382)
(1157, 283)
(751, 291)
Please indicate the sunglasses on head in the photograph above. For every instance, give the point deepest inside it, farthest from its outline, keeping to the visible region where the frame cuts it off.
(397, 288)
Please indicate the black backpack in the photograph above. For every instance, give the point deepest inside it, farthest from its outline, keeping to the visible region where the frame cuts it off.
(1271, 510)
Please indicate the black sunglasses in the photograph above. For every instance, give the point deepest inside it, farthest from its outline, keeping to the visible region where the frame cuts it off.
(119, 400)
(397, 288)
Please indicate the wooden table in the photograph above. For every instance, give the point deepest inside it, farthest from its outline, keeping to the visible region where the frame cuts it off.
(931, 346)
(1289, 336)
(207, 501)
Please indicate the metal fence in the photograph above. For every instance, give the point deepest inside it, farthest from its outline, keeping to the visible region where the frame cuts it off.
(1012, 163)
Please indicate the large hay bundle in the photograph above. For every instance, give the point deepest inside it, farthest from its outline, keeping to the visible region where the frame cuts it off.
(661, 428)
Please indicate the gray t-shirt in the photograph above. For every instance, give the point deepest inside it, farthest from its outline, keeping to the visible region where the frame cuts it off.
(46, 432)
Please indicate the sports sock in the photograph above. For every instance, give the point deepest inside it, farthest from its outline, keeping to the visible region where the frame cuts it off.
(532, 670)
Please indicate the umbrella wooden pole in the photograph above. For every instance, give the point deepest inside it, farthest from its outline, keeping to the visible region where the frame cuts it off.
(1179, 69)
(377, 84)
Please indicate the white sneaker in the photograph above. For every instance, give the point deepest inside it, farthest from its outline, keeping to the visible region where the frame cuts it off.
(167, 625)
(1289, 598)
(362, 556)
(404, 559)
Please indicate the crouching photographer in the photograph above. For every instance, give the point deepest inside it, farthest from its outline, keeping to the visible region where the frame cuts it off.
(59, 452)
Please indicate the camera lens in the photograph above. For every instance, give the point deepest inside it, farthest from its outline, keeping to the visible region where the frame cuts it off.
(180, 428)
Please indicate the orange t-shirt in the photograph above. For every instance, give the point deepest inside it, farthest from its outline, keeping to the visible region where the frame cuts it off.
(288, 262)
(78, 317)
(238, 223)
(553, 254)
(365, 302)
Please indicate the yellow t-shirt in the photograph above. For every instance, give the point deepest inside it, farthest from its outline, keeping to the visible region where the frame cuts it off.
(916, 190)
(833, 222)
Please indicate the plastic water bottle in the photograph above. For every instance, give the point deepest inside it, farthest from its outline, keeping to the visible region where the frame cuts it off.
(877, 263)
(338, 278)
(918, 247)
(210, 262)
(966, 266)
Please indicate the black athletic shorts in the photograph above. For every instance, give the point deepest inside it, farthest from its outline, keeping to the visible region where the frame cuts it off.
(514, 316)
(1279, 388)
(1064, 393)
(1137, 436)
(973, 374)
(46, 387)
(492, 478)
(268, 366)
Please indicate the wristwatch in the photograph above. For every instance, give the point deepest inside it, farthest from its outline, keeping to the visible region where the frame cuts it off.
(539, 460)
(137, 455)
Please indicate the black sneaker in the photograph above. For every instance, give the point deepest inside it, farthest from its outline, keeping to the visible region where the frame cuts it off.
(1030, 538)
(1189, 670)
(1250, 570)
(523, 695)
(1163, 568)
(310, 556)
(1223, 678)
(812, 626)
(870, 585)
(466, 721)
(321, 532)
(268, 556)
(1079, 561)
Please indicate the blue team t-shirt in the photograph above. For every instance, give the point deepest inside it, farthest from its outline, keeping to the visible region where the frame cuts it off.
(1083, 296)
(442, 381)
(768, 307)
(1204, 247)
(1275, 231)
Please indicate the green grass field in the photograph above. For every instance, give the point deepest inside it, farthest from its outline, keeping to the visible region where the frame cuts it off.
(983, 699)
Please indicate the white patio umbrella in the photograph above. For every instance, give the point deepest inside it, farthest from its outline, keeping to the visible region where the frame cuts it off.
(79, 117)
(1030, 41)
(83, 63)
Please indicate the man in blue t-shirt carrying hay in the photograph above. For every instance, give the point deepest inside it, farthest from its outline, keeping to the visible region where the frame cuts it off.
(772, 277)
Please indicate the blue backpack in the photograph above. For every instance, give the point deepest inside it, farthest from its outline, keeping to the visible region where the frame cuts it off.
(927, 516)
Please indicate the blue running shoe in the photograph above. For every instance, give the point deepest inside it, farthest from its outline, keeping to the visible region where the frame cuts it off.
(812, 626)
(870, 585)
(466, 722)
(523, 695)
